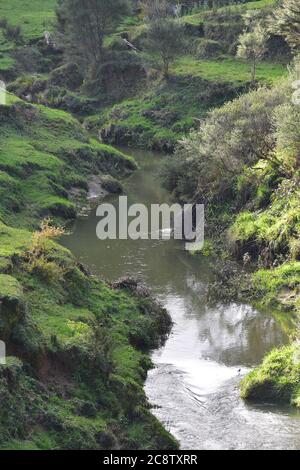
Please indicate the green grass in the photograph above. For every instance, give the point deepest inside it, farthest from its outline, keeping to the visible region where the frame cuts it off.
(6, 62)
(277, 227)
(165, 112)
(198, 18)
(34, 16)
(43, 153)
(277, 379)
(9, 287)
(229, 70)
(13, 241)
(273, 229)
(280, 286)
(94, 329)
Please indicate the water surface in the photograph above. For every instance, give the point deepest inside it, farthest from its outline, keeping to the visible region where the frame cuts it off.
(194, 386)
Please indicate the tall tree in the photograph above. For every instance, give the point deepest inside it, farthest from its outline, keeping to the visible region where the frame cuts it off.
(165, 33)
(252, 43)
(85, 23)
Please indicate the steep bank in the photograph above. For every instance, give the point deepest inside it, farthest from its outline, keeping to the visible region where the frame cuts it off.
(46, 160)
(77, 348)
(77, 354)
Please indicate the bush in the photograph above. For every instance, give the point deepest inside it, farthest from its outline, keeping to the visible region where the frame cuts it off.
(207, 49)
(237, 135)
(13, 33)
(38, 253)
(3, 23)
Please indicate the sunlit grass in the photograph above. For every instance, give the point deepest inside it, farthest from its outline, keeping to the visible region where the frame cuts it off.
(228, 70)
(34, 16)
(198, 17)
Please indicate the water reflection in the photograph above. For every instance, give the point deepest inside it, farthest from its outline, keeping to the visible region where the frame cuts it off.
(195, 383)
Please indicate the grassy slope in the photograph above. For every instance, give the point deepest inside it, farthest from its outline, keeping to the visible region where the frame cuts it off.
(277, 379)
(197, 18)
(34, 17)
(164, 113)
(229, 70)
(81, 337)
(84, 388)
(44, 153)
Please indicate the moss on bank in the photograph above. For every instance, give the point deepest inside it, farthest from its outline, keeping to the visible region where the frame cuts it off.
(78, 356)
(277, 379)
(280, 286)
(45, 157)
(78, 348)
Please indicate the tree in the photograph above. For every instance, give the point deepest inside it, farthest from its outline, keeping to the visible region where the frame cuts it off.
(84, 25)
(164, 35)
(286, 22)
(252, 47)
(252, 43)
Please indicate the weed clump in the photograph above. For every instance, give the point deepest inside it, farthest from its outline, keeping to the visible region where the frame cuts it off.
(37, 255)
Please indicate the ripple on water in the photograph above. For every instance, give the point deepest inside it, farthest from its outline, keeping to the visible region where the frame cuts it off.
(218, 420)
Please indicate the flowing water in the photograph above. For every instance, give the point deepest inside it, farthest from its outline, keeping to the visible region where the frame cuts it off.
(194, 385)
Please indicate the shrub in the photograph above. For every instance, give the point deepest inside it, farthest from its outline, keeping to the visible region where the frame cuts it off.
(38, 253)
(237, 135)
(13, 33)
(3, 23)
(207, 49)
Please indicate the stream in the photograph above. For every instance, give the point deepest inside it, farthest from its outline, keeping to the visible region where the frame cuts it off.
(194, 386)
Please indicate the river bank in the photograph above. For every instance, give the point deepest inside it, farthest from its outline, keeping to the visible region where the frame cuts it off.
(77, 349)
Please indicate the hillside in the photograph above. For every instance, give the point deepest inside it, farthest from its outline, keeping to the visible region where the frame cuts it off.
(39, 149)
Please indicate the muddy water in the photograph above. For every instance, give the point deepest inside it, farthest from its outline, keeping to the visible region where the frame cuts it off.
(194, 386)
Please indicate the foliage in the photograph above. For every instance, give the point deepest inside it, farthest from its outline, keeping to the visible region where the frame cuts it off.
(236, 135)
(85, 26)
(286, 21)
(36, 255)
(164, 35)
(252, 44)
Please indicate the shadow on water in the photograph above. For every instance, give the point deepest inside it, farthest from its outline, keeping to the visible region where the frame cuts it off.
(209, 349)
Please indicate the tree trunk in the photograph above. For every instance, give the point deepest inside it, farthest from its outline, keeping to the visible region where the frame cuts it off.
(253, 72)
(166, 69)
